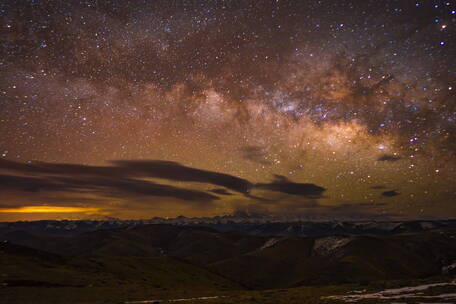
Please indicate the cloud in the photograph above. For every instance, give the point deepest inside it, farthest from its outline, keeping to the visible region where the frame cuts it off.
(29, 184)
(134, 168)
(177, 172)
(390, 193)
(126, 180)
(73, 184)
(389, 158)
(221, 191)
(104, 186)
(59, 169)
(283, 185)
(124, 186)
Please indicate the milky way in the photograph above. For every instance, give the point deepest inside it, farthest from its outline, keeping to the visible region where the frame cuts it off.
(322, 108)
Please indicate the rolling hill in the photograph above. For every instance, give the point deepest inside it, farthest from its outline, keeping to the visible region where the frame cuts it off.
(29, 275)
(261, 262)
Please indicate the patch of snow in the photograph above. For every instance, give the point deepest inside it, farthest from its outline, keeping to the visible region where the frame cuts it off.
(50, 226)
(173, 300)
(326, 245)
(449, 268)
(427, 225)
(384, 226)
(71, 226)
(397, 293)
(269, 243)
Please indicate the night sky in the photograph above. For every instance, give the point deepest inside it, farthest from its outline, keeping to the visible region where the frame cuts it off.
(135, 109)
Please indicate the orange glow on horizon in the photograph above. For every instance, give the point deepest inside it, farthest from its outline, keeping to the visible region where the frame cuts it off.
(51, 209)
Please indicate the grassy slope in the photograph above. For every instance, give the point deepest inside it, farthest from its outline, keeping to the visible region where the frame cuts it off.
(292, 263)
(123, 266)
(31, 276)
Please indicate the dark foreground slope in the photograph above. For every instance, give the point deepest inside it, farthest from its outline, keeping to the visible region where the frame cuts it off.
(342, 259)
(171, 261)
(196, 244)
(32, 276)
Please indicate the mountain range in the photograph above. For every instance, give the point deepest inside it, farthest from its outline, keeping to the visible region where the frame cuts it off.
(254, 224)
(86, 260)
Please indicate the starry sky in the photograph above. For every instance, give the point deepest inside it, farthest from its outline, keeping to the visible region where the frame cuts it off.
(135, 109)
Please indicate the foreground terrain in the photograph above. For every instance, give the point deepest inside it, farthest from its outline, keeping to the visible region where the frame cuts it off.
(155, 263)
